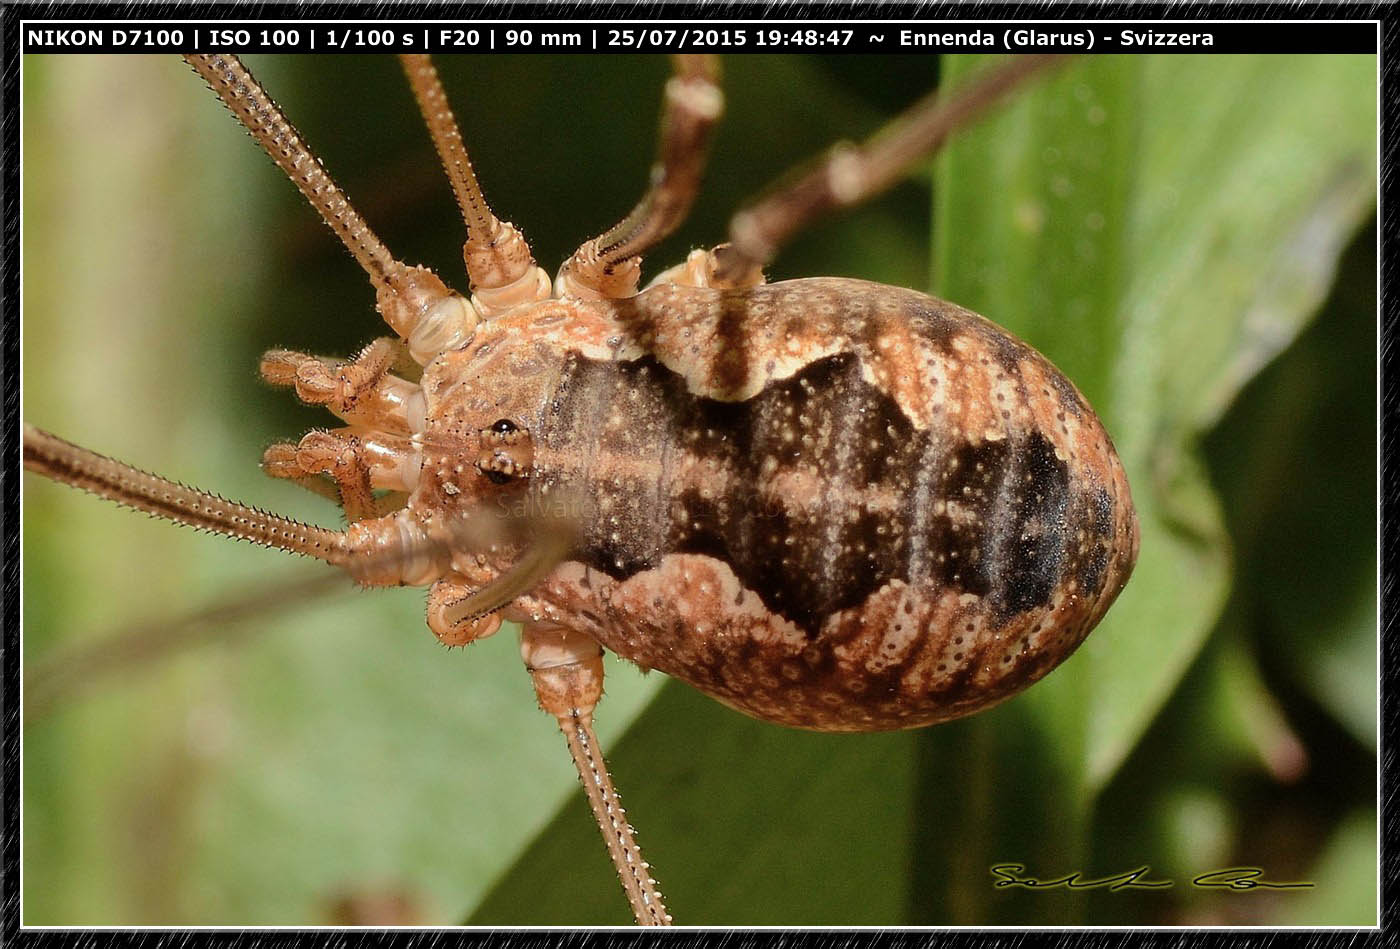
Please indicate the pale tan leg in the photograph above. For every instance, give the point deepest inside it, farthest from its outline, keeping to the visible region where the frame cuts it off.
(850, 174)
(70, 464)
(609, 265)
(412, 300)
(566, 668)
(279, 461)
(499, 264)
(386, 551)
(338, 454)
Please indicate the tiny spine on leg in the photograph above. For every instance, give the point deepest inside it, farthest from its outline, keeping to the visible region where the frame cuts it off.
(566, 668)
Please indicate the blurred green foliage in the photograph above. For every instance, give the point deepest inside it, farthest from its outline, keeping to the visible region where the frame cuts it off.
(1169, 230)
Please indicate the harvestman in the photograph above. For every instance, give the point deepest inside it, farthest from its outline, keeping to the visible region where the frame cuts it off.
(599, 343)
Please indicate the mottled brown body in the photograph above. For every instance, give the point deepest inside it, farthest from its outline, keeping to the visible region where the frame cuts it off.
(828, 503)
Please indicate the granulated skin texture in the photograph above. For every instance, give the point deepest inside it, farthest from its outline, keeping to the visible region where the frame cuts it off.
(827, 503)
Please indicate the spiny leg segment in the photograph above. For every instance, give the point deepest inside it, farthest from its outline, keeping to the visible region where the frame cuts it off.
(105, 477)
(609, 265)
(499, 264)
(848, 174)
(412, 300)
(387, 551)
(566, 668)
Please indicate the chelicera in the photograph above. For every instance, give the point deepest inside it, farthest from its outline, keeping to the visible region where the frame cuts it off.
(827, 503)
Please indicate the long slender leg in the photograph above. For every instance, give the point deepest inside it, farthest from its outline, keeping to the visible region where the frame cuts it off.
(65, 673)
(412, 300)
(500, 266)
(566, 668)
(386, 551)
(849, 174)
(105, 477)
(609, 265)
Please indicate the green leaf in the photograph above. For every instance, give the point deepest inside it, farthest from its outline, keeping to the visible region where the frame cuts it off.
(1295, 461)
(690, 767)
(1160, 242)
